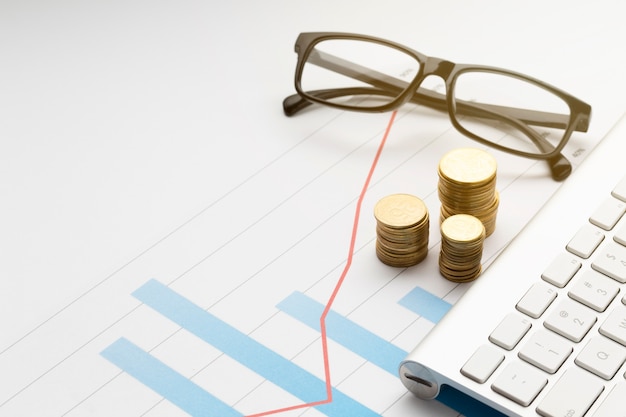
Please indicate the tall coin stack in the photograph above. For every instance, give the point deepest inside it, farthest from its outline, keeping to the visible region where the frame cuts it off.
(462, 238)
(401, 230)
(467, 185)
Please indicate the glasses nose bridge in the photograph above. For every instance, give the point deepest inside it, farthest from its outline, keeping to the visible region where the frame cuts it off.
(438, 67)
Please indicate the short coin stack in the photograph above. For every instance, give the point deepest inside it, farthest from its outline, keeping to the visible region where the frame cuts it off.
(467, 185)
(462, 238)
(402, 230)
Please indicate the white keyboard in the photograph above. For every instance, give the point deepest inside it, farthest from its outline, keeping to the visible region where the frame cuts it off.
(543, 331)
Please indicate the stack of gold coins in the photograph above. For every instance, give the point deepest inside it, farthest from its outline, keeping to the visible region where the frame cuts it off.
(401, 230)
(467, 185)
(462, 238)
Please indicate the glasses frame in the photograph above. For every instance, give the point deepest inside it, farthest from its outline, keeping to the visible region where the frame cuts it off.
(404, 92)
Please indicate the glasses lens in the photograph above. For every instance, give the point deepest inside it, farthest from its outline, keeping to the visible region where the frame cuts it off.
(358, 73)
(510, 112)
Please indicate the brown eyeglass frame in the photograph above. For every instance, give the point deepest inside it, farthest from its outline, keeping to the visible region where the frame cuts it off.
(402, 92)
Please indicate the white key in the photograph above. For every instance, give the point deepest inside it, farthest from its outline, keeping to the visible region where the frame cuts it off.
(510, 331)
(594, 290)
(614, 327)
(546, 351)
(561, 270)
(482, 363)
(571, 320)
(520, 382)
(608, 214)
(620, 190)
(536, 300)
(585, 241)
(611, 261)
(620, 235)
(572, 395)
(613, 404)
(602, 357)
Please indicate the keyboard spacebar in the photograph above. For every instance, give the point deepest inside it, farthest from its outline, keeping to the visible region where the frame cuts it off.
(572, 395)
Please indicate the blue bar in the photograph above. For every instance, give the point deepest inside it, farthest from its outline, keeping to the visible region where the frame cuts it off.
(247, 351)
(376, 350)
(425, 304)
(364, 343)
(165, 381)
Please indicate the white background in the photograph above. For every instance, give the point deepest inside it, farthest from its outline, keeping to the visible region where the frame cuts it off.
(145, 139)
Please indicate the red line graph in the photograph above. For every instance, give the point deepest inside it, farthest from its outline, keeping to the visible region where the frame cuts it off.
(342, 277)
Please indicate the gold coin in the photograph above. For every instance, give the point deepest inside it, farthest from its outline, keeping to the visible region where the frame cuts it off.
(462, 228)
(400, 210)
(401, 260)
(457, 272)
(467, 185)
(468, 165)
(402, 224)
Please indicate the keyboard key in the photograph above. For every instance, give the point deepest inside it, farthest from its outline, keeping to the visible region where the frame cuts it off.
(571, 320)
(620, 190)
(620, 235)
(561, 270)
(613, 404)
(572, 395)
(520, 382)
(614, 327)
(602, 357)
(536, 300)
(611, 261)
(585, 241)
(608, 214)
(510, 331)
(594, 290)
(482, 363)
(546, 351)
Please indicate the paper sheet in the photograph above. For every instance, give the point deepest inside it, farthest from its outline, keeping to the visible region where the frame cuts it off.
(170, 240)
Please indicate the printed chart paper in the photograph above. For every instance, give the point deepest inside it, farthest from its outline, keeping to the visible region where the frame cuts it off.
(171, 240)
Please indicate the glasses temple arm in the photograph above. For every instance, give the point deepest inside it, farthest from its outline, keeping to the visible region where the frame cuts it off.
(559, 166)
(295, 103)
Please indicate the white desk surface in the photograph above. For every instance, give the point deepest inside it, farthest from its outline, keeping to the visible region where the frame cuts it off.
(143, 152)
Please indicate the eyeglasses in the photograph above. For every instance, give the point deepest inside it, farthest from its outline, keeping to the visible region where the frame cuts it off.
(506, 110)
